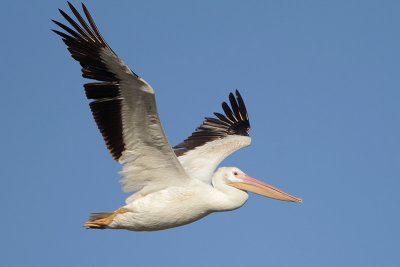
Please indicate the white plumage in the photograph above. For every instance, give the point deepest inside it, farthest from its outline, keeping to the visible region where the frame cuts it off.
(201, 162)
(170, 186)
(179, 205)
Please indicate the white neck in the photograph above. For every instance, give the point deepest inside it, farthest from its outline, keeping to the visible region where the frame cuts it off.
(226, 197)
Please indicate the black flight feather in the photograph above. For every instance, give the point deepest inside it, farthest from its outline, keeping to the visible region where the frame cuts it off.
(234, 122)
(86, 44)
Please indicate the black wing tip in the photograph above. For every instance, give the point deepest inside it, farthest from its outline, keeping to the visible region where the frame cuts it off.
(234, 122)
(72, 7)
(236, 102)
(62, 12)
(85, 44)
(241, 125)
(64, 36)
(84, 6)
(237, 107)
(238, 95)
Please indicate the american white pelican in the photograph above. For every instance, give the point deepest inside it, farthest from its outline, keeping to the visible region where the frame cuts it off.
(171, 186)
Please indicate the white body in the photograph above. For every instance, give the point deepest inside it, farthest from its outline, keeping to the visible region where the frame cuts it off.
(174, 206)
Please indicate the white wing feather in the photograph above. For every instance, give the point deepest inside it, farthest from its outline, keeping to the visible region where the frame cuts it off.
(201, 162)
(149, 163)
(124, 108)
(215, 139)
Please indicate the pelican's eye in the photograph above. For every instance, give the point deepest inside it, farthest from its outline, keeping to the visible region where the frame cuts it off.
(235, 173)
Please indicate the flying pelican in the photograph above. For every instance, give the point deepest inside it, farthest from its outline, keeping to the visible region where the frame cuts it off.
(171, 186)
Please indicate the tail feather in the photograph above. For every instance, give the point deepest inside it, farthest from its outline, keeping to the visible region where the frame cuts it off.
(99, 215)
(101, 220)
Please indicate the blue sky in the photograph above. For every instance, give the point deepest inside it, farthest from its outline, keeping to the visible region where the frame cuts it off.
(322, 85)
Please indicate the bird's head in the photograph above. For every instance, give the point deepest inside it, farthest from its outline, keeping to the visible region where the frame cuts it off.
(234, 177)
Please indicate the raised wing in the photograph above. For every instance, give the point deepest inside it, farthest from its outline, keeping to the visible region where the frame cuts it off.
(215, 139)
(124, 108)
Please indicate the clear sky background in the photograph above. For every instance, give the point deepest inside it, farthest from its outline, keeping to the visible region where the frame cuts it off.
(322, 84)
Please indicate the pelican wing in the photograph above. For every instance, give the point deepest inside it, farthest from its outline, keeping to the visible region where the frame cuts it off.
(124, 108)
(215, 139)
